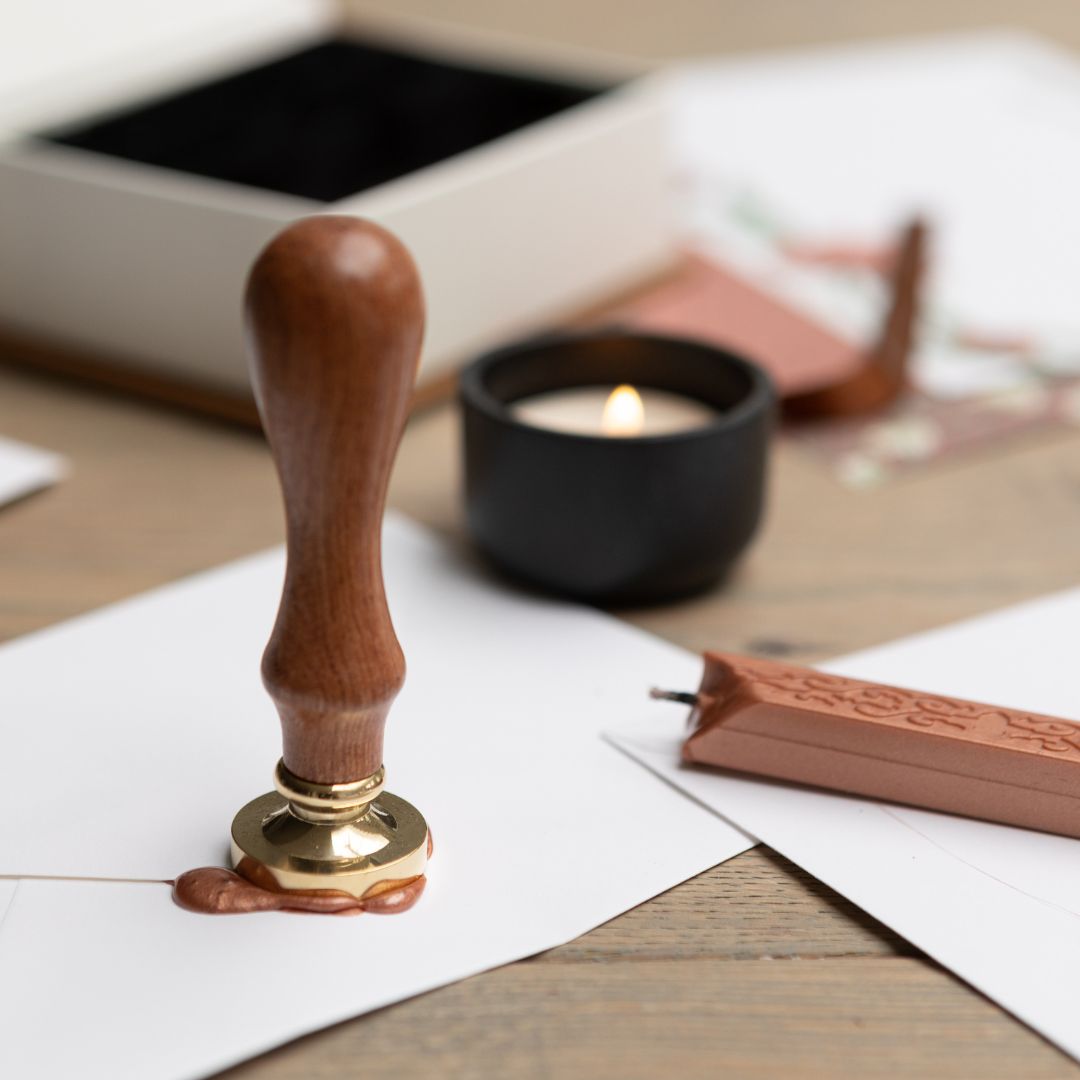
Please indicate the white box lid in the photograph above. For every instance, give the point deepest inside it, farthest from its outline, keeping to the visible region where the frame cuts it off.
(70, 58)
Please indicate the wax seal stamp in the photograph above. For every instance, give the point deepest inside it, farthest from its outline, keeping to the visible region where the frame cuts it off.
(334, 316)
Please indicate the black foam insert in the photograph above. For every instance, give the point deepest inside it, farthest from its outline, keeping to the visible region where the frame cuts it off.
(327, 122)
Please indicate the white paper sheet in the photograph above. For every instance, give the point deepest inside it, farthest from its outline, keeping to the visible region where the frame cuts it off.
(975, 131)
(25, 469)
(7, 894)
(998, 906)
(541, 830)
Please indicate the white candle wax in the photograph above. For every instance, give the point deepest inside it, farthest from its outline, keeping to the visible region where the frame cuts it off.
(580, 410)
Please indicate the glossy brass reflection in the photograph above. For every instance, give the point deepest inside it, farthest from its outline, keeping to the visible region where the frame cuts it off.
(348, 837)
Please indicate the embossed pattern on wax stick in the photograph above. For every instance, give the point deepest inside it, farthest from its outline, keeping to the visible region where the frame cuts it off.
(943, 753)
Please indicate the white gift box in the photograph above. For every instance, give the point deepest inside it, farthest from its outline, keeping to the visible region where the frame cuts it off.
(144, 265)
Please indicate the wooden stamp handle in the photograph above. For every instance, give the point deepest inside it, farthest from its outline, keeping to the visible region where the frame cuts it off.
(334, 318)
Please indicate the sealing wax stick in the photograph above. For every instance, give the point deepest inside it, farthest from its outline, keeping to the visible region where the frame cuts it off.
(882, 375)
(793, 723)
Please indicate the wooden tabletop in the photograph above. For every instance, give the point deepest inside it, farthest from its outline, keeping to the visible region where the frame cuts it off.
(752, 969)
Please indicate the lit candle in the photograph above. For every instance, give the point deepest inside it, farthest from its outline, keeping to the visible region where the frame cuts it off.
(620, 412)
(581, 484)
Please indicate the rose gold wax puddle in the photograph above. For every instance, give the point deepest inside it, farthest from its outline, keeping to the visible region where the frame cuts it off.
(213, 890)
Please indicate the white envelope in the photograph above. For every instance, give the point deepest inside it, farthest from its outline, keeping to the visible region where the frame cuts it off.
(998, 906)
(974, 131)
(143, 728)
(25, 469)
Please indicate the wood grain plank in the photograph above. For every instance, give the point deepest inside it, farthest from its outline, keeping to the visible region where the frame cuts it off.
(757, 905)
(894, 1018)
(153, 495)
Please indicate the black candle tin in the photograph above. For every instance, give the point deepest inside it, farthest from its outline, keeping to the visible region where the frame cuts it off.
(615, 520)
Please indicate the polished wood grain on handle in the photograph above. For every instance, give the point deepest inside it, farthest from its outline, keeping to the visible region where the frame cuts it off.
(334, 319)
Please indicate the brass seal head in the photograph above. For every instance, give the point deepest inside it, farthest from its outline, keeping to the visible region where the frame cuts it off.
(354, 838)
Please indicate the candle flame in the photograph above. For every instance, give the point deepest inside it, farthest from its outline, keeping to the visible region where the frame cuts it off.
(624, 413)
